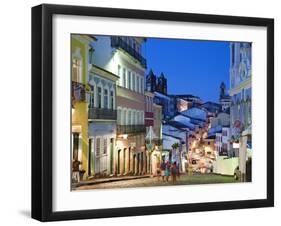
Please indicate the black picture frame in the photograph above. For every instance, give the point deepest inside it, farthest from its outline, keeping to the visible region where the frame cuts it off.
(42, 108)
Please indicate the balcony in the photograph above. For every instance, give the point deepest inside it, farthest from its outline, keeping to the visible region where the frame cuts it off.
(78, 92)
(102, 113)
(117, 42)
(130, 129)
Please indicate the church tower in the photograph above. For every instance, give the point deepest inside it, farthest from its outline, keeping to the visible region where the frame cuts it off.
(222, 90)
(151, 82)
(162, 84)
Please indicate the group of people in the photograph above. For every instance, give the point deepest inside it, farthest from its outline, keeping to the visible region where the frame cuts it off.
(168, 169)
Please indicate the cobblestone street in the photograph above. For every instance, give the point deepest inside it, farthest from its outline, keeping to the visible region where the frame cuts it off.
(148, 182)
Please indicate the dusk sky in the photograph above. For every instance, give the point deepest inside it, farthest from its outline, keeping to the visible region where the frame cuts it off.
(191, 67)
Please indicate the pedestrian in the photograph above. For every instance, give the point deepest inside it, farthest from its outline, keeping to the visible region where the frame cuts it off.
(162, 169)
(167, 170)
(75, 170)
(174, 172)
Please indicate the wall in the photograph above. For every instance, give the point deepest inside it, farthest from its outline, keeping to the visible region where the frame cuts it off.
(225, 166)
(16, 167)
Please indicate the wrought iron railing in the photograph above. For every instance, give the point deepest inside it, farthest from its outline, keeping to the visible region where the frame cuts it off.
(102, 113)
(129, 129)
(78, 91)
(118, 42)
(155, 141)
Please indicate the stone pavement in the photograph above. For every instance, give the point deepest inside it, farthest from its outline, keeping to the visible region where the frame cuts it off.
(107, 179)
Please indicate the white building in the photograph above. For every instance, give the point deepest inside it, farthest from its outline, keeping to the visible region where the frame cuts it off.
(102, 121)
(241, 96)
(122, 56)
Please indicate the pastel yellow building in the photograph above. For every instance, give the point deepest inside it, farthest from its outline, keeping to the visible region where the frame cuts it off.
(80, 55)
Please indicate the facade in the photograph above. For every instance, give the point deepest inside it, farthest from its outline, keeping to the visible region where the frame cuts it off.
(102, 116)
(168, 104)
(240, 92)
(222, 143)
(122, 56)
(80, 51)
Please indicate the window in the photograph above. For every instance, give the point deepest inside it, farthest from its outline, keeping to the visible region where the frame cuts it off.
(133, 82)
(119, 74)
(98, 147)
(77, 70)
(92, 99)
(124, 117)
(141, 88)
(134, 118)
(99, 97)
(105, 98)
(104, 146)
(124, 77)
(129, 80)
(138, 82)
(119, 112)
(111, 100)
(129, 118)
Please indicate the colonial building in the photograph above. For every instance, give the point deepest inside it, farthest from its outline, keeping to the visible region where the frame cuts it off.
(241, 98)
(80, 51)
(102, 122)
(122, 56)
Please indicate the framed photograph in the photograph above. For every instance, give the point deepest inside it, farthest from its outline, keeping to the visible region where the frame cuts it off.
(145, 112)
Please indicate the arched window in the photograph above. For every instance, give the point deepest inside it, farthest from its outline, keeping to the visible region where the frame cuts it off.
(111, 103)
(92, 98)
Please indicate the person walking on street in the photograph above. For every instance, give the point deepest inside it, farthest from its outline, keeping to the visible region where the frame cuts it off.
(75, 170)
(167, 170)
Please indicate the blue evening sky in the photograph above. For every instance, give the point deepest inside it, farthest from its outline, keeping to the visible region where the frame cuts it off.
(190, 66)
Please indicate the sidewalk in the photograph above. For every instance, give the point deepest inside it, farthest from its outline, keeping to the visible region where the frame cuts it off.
(107, 180)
